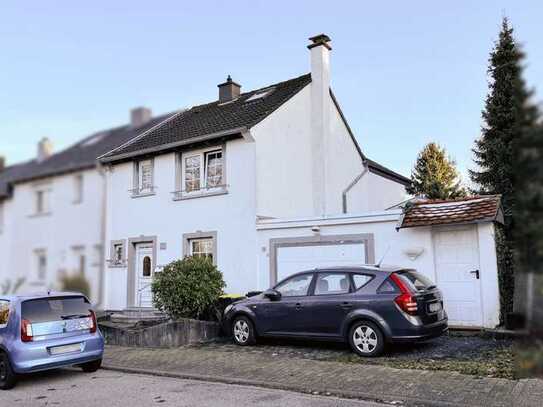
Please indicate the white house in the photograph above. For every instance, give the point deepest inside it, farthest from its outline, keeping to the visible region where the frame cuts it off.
(272, 181)
(200, 181)
(52, 211)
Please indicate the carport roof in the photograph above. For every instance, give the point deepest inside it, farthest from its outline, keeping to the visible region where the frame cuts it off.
(475, 209)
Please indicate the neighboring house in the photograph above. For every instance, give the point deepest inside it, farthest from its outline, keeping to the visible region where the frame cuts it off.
(198, 183)
(52, 210)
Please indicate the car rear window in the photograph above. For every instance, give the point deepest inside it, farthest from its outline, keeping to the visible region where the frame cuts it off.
(54, 309)
(415, 281)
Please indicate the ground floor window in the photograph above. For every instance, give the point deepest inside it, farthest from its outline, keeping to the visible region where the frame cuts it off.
(201, 244)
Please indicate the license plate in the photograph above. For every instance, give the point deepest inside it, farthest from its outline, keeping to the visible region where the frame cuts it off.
(434, 307)
(59, 350)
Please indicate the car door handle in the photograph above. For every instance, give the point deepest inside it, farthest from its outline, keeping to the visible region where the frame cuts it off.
(476, 272)
(346, 305)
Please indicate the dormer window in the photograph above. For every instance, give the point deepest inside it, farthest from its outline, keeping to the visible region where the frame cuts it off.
(202, 173)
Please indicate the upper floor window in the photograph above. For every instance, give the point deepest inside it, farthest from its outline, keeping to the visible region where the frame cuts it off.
(41, 201)
(143, 177)
(78, 189)
(202, 172)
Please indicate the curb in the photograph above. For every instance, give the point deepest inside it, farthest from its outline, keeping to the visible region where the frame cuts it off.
(396, 401)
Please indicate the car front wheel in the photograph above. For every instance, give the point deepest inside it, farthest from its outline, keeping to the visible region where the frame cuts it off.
(8, 379)
(243, 331)
(366, 339)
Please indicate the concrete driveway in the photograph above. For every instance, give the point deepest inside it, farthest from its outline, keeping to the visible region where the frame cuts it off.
(114, 389)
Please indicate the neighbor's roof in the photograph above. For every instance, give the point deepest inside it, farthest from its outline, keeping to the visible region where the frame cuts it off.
(212, 119)
(474, 209)
(79, 156)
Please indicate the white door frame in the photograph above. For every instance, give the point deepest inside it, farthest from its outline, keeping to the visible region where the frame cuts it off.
(131, 300)
(439, 229)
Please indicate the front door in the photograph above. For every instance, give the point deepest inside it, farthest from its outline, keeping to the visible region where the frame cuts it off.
(144, 275)
(458, 275)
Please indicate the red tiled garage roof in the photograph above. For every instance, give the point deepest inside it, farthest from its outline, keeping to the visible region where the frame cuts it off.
(466, 210)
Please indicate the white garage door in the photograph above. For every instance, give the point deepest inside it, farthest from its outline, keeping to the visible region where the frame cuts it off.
(294, 259)
(457, 265)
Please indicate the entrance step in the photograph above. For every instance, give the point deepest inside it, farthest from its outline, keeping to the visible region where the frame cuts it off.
(135, 315)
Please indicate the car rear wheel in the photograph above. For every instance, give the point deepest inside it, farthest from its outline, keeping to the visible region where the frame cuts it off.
(243, 331)
(366, 339)
(8, 379)
(91, 367)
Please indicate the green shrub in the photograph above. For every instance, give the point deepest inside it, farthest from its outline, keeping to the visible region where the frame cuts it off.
(76, 283)
(187, 288)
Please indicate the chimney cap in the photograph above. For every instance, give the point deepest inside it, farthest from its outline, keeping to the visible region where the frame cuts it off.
(321, 39)
(229, 81)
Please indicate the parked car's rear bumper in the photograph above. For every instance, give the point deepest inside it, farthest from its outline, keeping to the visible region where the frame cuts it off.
(421, 333)
(35, 356)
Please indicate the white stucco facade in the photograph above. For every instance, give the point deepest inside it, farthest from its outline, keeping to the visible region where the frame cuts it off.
(68, 232)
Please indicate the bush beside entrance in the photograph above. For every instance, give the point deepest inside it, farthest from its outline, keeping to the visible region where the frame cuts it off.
(188, 288)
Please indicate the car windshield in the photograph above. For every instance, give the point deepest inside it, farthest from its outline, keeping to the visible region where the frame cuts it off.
(415, 281)
(54, 309)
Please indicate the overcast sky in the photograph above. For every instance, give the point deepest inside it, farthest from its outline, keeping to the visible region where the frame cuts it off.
(405, 72)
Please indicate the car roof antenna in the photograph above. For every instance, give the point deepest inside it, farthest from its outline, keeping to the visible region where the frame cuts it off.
(383, 257)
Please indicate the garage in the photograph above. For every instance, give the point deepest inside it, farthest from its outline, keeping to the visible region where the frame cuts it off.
(292, 255)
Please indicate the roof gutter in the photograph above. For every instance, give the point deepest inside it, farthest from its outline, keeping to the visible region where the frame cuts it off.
(165, 147)
(352, 184)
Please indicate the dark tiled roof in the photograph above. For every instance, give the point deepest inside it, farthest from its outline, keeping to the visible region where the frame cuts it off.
(467, 210)
(383, 171)
(212, 118)
(81, 155)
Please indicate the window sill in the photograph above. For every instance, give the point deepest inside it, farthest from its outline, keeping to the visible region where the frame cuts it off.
(37, 283)
(113, 265)
(180, 196)
(142, 194)
(40, 215)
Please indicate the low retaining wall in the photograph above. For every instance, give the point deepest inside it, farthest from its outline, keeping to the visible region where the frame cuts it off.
(166, 335)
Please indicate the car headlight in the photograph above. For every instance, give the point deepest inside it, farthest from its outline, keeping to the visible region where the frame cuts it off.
(228, 308)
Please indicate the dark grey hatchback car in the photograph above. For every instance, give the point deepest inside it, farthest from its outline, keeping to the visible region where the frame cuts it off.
(366, 306)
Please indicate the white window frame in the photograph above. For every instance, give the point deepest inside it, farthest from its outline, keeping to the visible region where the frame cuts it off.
(41, 275)
(8, 304)
(80, 259)
(204, 188)
(45, 207)
(113, 260)
(138, 187)
(189, 238)
(78, 188)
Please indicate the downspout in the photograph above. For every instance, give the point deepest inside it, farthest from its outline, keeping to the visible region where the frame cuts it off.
(352, 184)
(101, 271)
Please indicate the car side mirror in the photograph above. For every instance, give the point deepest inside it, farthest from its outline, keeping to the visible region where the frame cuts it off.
(273, 295)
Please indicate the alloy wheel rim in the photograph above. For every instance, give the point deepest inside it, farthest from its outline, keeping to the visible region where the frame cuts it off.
(3, 371)
(365, 339)
(241, 331)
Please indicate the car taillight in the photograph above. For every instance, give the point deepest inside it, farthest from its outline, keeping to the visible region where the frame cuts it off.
(26, 331)
(94, 325)
(405, 300)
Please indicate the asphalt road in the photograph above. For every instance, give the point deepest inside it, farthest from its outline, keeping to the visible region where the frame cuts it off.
(72, 388)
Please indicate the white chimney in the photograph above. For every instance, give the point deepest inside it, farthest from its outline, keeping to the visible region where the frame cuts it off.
(45, 149)
(140, 116)
(320, 117)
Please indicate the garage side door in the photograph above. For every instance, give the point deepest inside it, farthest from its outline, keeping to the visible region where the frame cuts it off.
(293, 259)
(457, 259)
